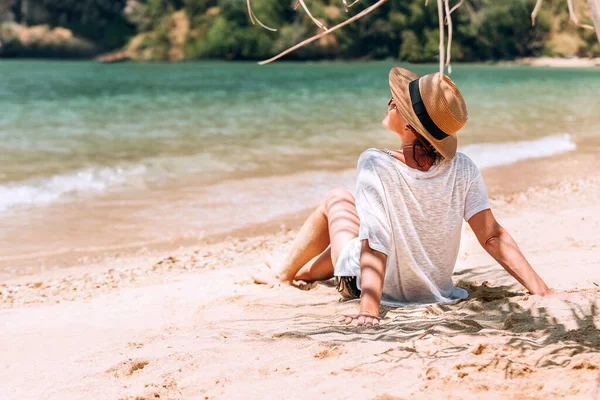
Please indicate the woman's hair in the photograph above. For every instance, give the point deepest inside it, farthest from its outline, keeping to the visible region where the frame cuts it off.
(424, 153)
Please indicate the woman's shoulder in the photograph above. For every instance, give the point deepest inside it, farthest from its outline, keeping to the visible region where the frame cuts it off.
(463, 162)
(372, 156)
(372, 152)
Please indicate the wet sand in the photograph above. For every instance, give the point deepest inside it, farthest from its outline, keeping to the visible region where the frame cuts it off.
(70, 243)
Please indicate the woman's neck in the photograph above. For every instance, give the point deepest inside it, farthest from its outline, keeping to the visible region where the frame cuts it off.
(413, 160)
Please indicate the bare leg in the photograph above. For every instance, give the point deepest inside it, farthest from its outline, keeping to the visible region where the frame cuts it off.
(334, 222)
(312, 239)
(318, 269)
(343, 221)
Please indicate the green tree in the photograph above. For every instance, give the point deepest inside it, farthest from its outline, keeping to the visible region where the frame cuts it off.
(101, 21)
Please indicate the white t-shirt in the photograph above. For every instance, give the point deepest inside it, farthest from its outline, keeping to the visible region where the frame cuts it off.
(415, 218)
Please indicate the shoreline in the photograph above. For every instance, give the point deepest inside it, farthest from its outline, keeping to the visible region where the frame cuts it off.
(506, 184)
(557, 62)
(122, 57)
(505, 181)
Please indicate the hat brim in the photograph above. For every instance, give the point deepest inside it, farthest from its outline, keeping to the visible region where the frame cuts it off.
(399, 81)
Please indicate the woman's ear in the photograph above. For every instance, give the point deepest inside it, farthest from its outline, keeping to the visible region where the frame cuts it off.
(410, 129)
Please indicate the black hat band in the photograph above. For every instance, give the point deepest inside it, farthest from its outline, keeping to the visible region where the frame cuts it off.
(421, 111)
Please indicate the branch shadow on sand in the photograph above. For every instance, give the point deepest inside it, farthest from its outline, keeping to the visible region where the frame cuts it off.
(499, 333)
(489, 312)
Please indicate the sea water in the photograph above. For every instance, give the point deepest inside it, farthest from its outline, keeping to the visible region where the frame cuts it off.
(101, 156)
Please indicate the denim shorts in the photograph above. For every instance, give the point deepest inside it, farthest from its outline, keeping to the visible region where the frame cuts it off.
(350, 284)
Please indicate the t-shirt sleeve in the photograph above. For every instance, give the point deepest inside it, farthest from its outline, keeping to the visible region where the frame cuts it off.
(371, 206)
(477, 197)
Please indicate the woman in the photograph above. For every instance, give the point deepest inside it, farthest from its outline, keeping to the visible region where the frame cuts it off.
(397, 242)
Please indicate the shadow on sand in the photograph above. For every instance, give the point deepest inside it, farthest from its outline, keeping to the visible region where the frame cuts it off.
(489, 312)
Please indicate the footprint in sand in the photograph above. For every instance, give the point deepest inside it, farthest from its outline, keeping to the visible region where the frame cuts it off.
(127, 368)
(167, 389)
(329, 352)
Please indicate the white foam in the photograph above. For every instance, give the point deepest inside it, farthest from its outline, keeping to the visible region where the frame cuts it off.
(49, 190)
(95, 181)
(488, 155)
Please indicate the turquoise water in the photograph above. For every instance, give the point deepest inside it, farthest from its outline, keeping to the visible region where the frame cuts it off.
(189, 138)
(227, 120)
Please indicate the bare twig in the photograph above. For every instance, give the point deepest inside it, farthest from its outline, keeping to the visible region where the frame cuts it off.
(460, 3)
(320, 35)
(574, 18)
(441, 24)
(253, 18)
(316, 21)
(535, 11)
(449, 23)
(444, 17)
(263, 25)
(250, 13)
(422, 335)
(595, 9)
(347, 6)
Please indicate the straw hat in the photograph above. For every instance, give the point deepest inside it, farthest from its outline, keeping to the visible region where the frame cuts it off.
(432, 106)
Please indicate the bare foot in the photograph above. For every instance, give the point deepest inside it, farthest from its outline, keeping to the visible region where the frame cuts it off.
(270, 276)
(271, 262)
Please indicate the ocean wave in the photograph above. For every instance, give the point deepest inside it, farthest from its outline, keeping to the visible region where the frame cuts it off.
(95, 181)
(488, 155)
(49, 190)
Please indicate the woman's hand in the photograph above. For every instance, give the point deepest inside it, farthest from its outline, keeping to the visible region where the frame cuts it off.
(372, 267)
(500, 245)
(363, 319)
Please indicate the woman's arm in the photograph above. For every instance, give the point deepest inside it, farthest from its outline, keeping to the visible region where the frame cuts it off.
(372, 274)
(500, 245)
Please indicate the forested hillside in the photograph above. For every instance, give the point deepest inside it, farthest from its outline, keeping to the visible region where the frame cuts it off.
(220, 29)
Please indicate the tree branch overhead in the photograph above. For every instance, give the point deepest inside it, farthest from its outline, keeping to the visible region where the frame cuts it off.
(444, 18)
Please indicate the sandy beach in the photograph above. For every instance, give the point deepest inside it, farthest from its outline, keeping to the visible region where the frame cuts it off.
(559, 62)
(190, 324)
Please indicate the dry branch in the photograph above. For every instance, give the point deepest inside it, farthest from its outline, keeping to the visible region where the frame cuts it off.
(595, 8)
(572, 14)
(535, 11)
(448, 20)
(574, 18)
(441, 25)
(444, 17)
(460, 3)
(320, 35)
(253, 18)
(316, 21)
(347, 6)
